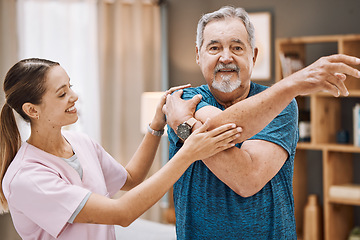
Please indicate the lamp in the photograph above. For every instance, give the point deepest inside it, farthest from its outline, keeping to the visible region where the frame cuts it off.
(149, 103)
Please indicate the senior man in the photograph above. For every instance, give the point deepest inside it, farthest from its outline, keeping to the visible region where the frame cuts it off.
(245, 192)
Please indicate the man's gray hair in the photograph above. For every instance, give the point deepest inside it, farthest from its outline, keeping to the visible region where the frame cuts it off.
(222, 13)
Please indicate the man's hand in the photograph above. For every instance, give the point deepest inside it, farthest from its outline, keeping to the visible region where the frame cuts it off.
(326, 74)
(178, 110)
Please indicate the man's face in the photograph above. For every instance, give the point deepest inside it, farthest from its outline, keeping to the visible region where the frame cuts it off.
(226, 59)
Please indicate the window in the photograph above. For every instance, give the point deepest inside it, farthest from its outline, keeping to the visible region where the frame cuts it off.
(66, 32)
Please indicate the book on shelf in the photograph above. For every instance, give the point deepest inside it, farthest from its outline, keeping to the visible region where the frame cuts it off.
(356, 124)
(347, 191)
(290, 63)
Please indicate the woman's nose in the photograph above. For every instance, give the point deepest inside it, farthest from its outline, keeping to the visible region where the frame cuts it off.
(74, 96)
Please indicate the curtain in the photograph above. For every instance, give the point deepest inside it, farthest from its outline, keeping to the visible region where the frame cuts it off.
(8, 57)
(130, 63)
(8, 39)
(66, 32)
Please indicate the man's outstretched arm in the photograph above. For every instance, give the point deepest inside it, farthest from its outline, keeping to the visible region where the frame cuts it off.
(254, 113)
(248, 169)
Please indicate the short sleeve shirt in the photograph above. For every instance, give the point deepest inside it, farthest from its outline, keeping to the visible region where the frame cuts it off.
(43, 191)
(206, 208)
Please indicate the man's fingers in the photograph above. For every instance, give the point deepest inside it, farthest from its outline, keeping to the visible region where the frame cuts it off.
(337, 80)
(331, 88)
(350, 60)
(342, 64)
(340, 76)
(195, 100)
(178, 93)
(343, 68)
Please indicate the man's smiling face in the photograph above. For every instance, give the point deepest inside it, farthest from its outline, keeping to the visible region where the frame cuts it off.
(226, 58)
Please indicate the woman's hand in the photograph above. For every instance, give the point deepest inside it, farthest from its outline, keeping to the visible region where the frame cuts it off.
(203, 144)
(159, 121)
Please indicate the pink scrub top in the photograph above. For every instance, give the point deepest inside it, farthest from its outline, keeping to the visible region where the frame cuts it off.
(43, 191)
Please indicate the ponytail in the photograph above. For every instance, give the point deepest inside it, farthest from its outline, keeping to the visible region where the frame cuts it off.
(10, 142)
(24, 83)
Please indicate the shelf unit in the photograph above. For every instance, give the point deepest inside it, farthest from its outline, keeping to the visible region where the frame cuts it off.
(325, 121)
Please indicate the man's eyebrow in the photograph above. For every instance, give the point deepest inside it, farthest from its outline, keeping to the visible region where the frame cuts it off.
(213, 42)
(238, 41)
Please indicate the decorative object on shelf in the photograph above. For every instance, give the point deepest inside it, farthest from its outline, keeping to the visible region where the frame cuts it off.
(290, 63)
(355, 234)
(312, 219)
(345, 191)
(342, 137)
(356, 124)
(304, 126)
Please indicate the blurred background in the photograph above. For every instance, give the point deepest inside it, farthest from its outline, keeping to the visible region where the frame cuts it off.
(114, 50)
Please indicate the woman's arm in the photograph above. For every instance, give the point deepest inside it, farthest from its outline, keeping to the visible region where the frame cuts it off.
(123, 211)
(139, 165)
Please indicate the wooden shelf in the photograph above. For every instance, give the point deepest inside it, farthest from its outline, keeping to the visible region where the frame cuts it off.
(344, 201)
(334, 147)
(352, 93)
(325, 121)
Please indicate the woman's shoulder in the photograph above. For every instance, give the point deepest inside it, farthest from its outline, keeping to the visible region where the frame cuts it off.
(28, 157)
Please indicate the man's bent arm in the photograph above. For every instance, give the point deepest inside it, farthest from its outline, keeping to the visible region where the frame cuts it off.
(247, 170)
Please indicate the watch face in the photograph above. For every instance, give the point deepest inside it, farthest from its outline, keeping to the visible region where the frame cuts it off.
(183, 131)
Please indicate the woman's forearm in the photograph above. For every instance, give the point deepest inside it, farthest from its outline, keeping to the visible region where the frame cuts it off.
(124, 210)
(140, 164)
(145, 195)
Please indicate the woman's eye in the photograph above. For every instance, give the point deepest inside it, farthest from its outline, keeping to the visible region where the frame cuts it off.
(62, 95)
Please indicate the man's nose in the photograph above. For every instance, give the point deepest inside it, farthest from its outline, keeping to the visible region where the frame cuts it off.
(226, 56)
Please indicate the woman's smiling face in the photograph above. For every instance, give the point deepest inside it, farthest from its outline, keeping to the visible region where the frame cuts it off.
(57, 108)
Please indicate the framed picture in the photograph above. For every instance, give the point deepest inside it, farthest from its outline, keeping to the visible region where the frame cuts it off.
(262, 24)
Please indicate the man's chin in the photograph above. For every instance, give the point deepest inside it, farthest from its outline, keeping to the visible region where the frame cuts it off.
(226, 88)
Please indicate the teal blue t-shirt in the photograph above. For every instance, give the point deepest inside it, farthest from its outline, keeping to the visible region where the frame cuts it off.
(206, 208)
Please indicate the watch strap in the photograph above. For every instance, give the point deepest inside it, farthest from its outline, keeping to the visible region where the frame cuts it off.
(191, 122)
(155, 132)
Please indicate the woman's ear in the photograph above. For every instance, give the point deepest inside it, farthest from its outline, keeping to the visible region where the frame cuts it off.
(30, 110)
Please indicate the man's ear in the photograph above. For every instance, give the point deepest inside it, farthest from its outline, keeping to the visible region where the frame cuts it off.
(197, 56)
(30, 110)
(256, 51)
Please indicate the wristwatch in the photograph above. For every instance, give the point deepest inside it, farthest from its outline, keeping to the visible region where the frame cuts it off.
(183, 131)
